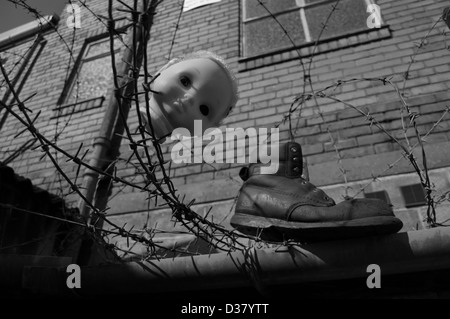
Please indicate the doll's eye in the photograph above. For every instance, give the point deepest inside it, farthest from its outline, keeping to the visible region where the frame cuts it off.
(204, 110)
(185, 81)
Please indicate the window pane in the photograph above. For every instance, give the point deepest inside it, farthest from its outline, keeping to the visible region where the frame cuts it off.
(12, 60)
(266, 35)
(413, 195)
(254, 9)
(350, 16)
(8, 64)
(102, 47)
(95, 77)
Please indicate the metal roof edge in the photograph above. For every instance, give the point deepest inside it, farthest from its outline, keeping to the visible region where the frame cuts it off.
(29, 29)
(396, 254)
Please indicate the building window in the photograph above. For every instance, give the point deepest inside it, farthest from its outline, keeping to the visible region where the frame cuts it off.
(413, 195)
(18, 62)
(303, 21)
(94, 76)
(383, 195)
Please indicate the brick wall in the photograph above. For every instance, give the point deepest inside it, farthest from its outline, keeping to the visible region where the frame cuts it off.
(268, 86)
(46, 82)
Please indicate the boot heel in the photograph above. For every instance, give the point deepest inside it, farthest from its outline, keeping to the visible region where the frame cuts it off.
(243, 219)
(257, 227)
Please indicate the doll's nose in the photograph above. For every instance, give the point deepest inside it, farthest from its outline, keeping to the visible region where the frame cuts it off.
(188, 100)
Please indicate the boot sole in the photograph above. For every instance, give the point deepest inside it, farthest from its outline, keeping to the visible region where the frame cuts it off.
(278, 230)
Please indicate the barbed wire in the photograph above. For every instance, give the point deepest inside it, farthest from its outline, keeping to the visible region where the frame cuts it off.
(128, 94)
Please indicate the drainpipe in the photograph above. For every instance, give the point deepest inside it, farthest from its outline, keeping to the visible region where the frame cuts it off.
(107, 143)
(397, 254)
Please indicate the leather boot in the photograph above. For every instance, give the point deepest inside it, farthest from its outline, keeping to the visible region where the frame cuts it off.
(283, 206)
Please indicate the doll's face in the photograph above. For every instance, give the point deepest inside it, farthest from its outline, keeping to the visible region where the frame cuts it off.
(193, 89)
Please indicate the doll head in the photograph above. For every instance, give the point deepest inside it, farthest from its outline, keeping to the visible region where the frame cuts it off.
(196, 86)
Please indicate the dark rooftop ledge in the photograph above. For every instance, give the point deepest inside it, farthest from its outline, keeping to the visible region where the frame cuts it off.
(397, 255)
